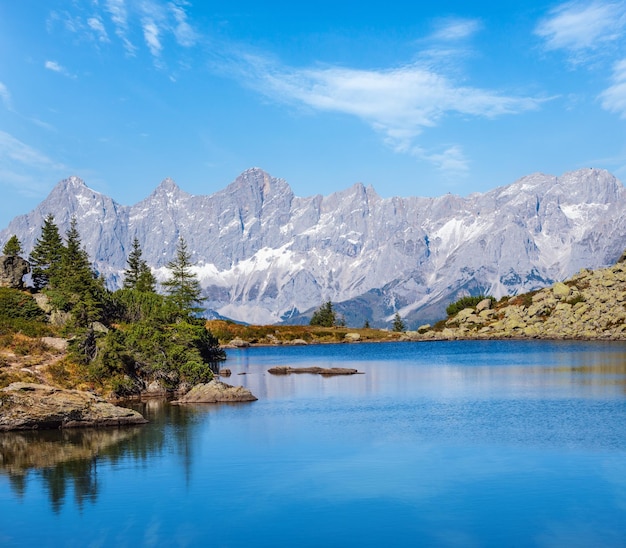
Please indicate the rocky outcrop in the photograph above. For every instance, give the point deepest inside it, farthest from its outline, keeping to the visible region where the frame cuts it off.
(12, 271)
(589, 305)
(327, 372)
(29, 406)
(216, 392)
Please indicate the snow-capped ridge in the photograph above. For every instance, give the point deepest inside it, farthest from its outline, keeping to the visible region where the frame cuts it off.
(262, 252)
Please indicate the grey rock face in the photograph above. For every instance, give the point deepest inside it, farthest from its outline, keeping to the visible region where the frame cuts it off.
(12, 271)
(264, 255)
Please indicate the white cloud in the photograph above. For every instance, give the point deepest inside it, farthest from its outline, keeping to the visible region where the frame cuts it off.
(5, 96)
(55, 67)
(96, 24)
(184, 33)
(119, 16)
(25, 168)
(151, 36)
(451, 161)
(578, 27)
(400, 103)
(613, 98)
(456, 29)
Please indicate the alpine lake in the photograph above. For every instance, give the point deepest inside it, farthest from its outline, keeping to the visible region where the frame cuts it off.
(460, 443)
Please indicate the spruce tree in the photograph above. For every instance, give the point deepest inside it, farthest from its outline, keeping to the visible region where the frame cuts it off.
(138, 275)
(398, 323)
(183, 287)
(324, 316)
(45, 258)
(80, 288)
(12, 247)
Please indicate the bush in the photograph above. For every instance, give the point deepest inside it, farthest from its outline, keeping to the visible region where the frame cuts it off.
(16, 304)
(467, 302)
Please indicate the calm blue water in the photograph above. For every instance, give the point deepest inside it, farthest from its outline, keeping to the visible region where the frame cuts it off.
(436, 444)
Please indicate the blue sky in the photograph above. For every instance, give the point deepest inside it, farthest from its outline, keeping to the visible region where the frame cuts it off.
(414, 98)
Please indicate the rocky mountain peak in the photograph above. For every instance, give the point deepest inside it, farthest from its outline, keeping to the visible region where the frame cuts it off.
(264, 255)
(257, 185)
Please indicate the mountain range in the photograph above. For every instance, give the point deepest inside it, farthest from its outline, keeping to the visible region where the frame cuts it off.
(264, 255)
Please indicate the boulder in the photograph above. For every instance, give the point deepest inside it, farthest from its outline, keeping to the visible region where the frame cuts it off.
(216, 392)
(560, 290)
(239, 343)
(12, 269)
(352, 337)
(29, 406)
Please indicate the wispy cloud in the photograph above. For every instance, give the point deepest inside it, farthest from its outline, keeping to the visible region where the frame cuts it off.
(5, 97)
(96, 24)
(454, 29)
(151, 36)
(25, 168)
(589, 33)
(154, 20)
(582, 28)
(119, 15)
(613, 98)
(185, 35)
(400, 103)
(56, 67)
(451, 160)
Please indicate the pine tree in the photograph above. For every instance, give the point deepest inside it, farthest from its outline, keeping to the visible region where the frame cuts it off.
(138, 275)
(45, 257)
(12, 247)
(80, 289)
(324, 316)
(74, 274)
(398, 324)
(183, 287)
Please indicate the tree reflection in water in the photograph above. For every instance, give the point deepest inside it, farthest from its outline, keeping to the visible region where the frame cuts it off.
(67, 460)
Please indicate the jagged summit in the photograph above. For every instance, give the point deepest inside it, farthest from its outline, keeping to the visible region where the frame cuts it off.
(264, 254)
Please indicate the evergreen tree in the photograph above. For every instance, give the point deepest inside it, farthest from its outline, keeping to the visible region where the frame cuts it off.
(12, 247)
(138, 275)
(45, 257)
(77, 288)
(366, 325)
(398, 324)
(324, 316)
(183, 287)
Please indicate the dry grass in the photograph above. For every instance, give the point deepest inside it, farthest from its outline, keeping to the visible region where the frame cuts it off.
(226, 331)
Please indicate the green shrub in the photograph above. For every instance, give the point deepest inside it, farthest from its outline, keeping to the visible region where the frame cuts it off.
(466, 302)
(16, 304)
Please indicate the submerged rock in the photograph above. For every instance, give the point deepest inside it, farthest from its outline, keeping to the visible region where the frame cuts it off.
(216, 392)
(29, 406)
(330, 371)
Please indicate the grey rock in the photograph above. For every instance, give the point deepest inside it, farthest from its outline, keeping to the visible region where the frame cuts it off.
(12, 271)
(215, 392)
(27, 406)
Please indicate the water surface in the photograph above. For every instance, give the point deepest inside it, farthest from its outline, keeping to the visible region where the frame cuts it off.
(476, 443)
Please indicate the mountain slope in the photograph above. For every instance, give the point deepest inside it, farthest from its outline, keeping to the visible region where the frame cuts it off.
(264, 255)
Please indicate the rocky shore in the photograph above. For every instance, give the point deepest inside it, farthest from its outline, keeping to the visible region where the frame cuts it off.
(29, 406)
(589, 305)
